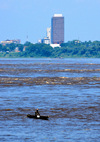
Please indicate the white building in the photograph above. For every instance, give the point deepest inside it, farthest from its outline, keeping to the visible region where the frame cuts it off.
(49, 34)
(47, 39)
(55, 45)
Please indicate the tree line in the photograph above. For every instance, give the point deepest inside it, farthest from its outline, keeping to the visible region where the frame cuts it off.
(71, 49)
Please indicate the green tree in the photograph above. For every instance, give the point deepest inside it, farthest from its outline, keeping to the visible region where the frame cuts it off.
(0, 47)
(11, 46)
(20, 47)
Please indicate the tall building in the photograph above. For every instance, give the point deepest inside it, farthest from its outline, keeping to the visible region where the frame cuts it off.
(57, 29)
(49, 34)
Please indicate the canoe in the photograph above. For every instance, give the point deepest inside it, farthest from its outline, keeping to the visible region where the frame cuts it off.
(36, 117)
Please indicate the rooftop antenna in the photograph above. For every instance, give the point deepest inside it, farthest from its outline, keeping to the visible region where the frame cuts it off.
(27, 38)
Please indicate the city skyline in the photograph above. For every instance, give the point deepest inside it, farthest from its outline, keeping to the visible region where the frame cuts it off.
(22, 18)
(55, 33)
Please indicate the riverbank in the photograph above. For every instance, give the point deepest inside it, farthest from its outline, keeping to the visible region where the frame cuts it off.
(22, 55)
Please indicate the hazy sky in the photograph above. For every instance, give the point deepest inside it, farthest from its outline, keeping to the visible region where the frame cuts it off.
(19, 18)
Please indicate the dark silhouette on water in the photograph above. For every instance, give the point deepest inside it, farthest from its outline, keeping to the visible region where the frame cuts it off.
(37, 115)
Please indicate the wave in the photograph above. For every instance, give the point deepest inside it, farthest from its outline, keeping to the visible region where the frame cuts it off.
(86, 113)
(26, 81)
(11, 70)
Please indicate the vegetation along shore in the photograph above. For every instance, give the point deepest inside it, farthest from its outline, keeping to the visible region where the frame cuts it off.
(69, 49)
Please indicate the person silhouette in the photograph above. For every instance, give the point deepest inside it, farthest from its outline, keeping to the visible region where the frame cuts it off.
(37, 114)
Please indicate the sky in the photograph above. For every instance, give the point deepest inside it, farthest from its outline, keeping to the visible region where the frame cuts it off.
(20, 19)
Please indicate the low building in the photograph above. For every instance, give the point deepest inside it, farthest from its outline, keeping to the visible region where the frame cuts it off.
(10, 41)
(76, 41)
(17, 49)
(55, 45)
(46, 40)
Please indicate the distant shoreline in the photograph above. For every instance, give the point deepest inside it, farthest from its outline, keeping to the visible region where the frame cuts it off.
(71, 49)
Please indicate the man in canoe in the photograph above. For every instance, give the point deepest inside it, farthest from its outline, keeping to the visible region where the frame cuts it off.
(37, 114)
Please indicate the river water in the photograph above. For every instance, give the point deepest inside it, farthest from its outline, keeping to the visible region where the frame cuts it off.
(68, 90)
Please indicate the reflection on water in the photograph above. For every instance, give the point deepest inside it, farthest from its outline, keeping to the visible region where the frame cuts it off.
(68, 90)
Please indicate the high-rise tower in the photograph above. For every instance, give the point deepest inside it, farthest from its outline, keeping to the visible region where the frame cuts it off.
(57, 29)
